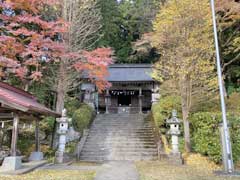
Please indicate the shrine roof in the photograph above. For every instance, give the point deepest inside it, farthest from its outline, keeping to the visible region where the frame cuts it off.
(130, 73)
(13, 98)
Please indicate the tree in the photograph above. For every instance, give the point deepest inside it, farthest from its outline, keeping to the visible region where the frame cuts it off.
(27, 40)
(84, 19)
(183, 37)
(114, 33)
(124, 22)
(138, 16)
(228, 17)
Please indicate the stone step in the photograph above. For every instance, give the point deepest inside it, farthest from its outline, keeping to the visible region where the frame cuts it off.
(118, 154)
(120, 142)
(137, 126)
(129, 131)
(120, 120)
(122, 115)
(122, 146)
(123, 158)
(110, 130)
(120, 136)
(107, 150)
(132, 135)
(120, 139)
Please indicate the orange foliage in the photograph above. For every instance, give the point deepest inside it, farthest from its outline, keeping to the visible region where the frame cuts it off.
(95, 64)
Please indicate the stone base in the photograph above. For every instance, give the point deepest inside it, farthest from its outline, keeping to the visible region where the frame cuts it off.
(36, 156)
(224, 173)
(11, 163)
(61, 158)
(175, 158)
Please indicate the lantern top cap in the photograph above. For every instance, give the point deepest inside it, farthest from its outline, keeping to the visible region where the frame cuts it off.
(174, 119)
(64, 113)
(174, 113)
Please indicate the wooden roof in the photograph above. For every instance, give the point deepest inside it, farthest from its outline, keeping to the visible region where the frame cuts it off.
(12, 98)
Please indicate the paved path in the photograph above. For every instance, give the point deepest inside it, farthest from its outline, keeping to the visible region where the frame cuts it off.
(118, 170)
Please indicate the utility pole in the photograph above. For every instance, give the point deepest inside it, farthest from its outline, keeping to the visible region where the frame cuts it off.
(226, 143)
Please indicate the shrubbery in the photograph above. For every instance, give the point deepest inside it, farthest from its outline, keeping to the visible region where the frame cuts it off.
(72, 104)
(206, 134)
(82, 117)
(26, 139)
(162, 110)
(47, 125)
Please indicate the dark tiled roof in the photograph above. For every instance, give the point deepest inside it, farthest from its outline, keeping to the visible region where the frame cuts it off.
(130, 72)
(22, 100)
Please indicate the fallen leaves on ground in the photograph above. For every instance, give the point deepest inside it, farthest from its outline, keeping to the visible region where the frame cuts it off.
(194, 159)
(159, 170)
(53, 175)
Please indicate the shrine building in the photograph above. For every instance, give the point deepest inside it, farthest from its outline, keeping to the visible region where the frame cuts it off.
(133, 90)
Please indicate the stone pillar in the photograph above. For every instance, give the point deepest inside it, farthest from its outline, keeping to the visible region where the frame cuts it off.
(13, 162)
(107, 101)
(140, 100)
(175, 155)
(37, 155)
(60, 157)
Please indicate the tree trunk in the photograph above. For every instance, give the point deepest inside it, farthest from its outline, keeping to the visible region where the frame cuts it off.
(61, 92)
(60, 97)
(187, 143)
(186, 103)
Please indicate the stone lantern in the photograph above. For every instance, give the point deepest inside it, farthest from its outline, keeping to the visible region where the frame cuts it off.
(175, 155)
(62, 131)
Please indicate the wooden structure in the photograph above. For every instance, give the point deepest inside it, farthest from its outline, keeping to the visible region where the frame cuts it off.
(17, 105)
(133, 90)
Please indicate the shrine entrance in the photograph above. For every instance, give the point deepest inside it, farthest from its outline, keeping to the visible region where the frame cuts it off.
(124, 100)
(132, 90)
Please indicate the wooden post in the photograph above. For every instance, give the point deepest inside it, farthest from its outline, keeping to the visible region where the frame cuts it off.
(37, 142)
(14, 135)
(107, 99)
(140, 100)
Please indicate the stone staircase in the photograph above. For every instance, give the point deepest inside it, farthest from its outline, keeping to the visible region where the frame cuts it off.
(119, 137)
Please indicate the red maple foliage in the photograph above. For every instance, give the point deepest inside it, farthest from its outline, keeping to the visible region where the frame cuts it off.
(27, 41)
(95, 64)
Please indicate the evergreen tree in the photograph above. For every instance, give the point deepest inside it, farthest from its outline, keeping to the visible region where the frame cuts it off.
(124, 22)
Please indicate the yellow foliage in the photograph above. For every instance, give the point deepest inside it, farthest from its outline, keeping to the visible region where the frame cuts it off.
(183, 36)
